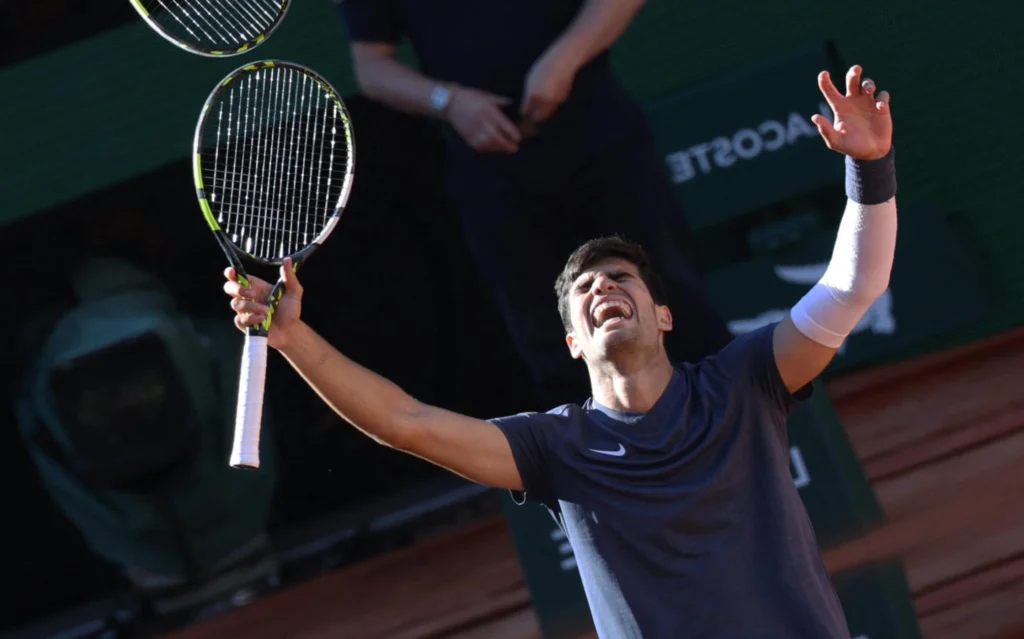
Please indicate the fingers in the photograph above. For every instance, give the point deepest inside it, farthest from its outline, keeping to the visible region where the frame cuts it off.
(290, 278)
(488, 140)
(882, 101)
(826, 130)
(829, 90)
(252, 307)
(234, 289)
(868, 88)
(251, 303)
(248, 311)
(495, 132)
(853, 87)
(856, 87)
(536, 109)
(243, 322)
(509, 131)
(257, 288)
(479, 119)
(494, 136)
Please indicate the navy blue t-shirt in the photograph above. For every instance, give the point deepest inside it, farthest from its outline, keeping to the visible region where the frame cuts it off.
(491, 45)
(685, 521)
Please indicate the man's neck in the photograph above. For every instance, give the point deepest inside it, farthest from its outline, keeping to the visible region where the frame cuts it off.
(632, 391)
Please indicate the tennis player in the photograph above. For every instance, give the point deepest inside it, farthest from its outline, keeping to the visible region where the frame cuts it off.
(671, 482)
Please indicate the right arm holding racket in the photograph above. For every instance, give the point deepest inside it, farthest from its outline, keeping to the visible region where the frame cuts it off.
(472, 448)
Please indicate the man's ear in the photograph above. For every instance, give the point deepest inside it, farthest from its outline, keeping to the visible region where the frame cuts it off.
(574, 346)
(664, 317)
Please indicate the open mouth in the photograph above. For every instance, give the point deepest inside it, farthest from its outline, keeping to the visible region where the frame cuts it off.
(610, 312)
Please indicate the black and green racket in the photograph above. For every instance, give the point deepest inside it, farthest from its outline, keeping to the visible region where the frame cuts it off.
(213, 28)
(274, 159)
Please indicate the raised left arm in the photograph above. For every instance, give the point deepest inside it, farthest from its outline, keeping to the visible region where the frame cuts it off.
(596, 27)
(806, 340)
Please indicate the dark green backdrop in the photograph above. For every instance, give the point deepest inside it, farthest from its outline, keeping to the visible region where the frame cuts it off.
(91, 115)
(951, 68)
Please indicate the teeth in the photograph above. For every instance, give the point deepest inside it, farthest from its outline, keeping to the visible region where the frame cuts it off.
(626, 311)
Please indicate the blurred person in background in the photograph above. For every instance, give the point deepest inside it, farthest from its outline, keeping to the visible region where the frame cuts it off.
(544, 150)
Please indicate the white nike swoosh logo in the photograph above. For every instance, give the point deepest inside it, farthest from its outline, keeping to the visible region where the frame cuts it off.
(614, 453)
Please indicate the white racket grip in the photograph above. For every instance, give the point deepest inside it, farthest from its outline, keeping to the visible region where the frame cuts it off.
(245, 453)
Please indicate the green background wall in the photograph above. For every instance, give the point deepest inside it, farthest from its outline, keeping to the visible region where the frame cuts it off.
(952, 69)
(123, 103)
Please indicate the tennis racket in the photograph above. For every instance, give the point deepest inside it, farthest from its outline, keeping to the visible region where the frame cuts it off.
(213, 28)
(274, 156)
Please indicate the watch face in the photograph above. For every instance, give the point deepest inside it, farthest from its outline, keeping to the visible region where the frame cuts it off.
(439, 98)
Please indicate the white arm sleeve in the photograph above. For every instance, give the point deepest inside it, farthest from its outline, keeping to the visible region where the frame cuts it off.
(857, 274)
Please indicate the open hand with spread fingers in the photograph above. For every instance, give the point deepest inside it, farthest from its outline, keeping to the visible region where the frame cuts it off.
(862, 128)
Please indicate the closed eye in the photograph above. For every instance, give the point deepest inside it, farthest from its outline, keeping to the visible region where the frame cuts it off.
(618, 276)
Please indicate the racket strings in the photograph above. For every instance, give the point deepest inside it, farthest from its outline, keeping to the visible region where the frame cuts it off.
(216, 23)
(277, 161)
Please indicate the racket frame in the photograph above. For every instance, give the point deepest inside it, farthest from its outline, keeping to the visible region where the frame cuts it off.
(236, 255)
(244, 47)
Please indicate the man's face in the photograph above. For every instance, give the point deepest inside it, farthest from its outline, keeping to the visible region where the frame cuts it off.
(613, 312)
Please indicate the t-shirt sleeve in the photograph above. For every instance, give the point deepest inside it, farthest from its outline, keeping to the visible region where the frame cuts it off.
(749, 362)
(533, 438)
(370, 20)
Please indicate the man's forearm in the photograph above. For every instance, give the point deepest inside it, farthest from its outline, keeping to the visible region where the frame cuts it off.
(596, 28)
(471, 448)
(387, 80)
(371, 403)
(862, 258)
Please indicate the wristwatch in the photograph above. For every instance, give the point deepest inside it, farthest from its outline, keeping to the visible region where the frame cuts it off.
(440, 97)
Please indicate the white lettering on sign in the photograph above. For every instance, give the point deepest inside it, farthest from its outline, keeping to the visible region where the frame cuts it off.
(799, 469)
(568, 559)
(745, 144)
(878, 318)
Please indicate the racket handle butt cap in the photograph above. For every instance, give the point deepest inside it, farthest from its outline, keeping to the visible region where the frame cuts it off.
(245, 452)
